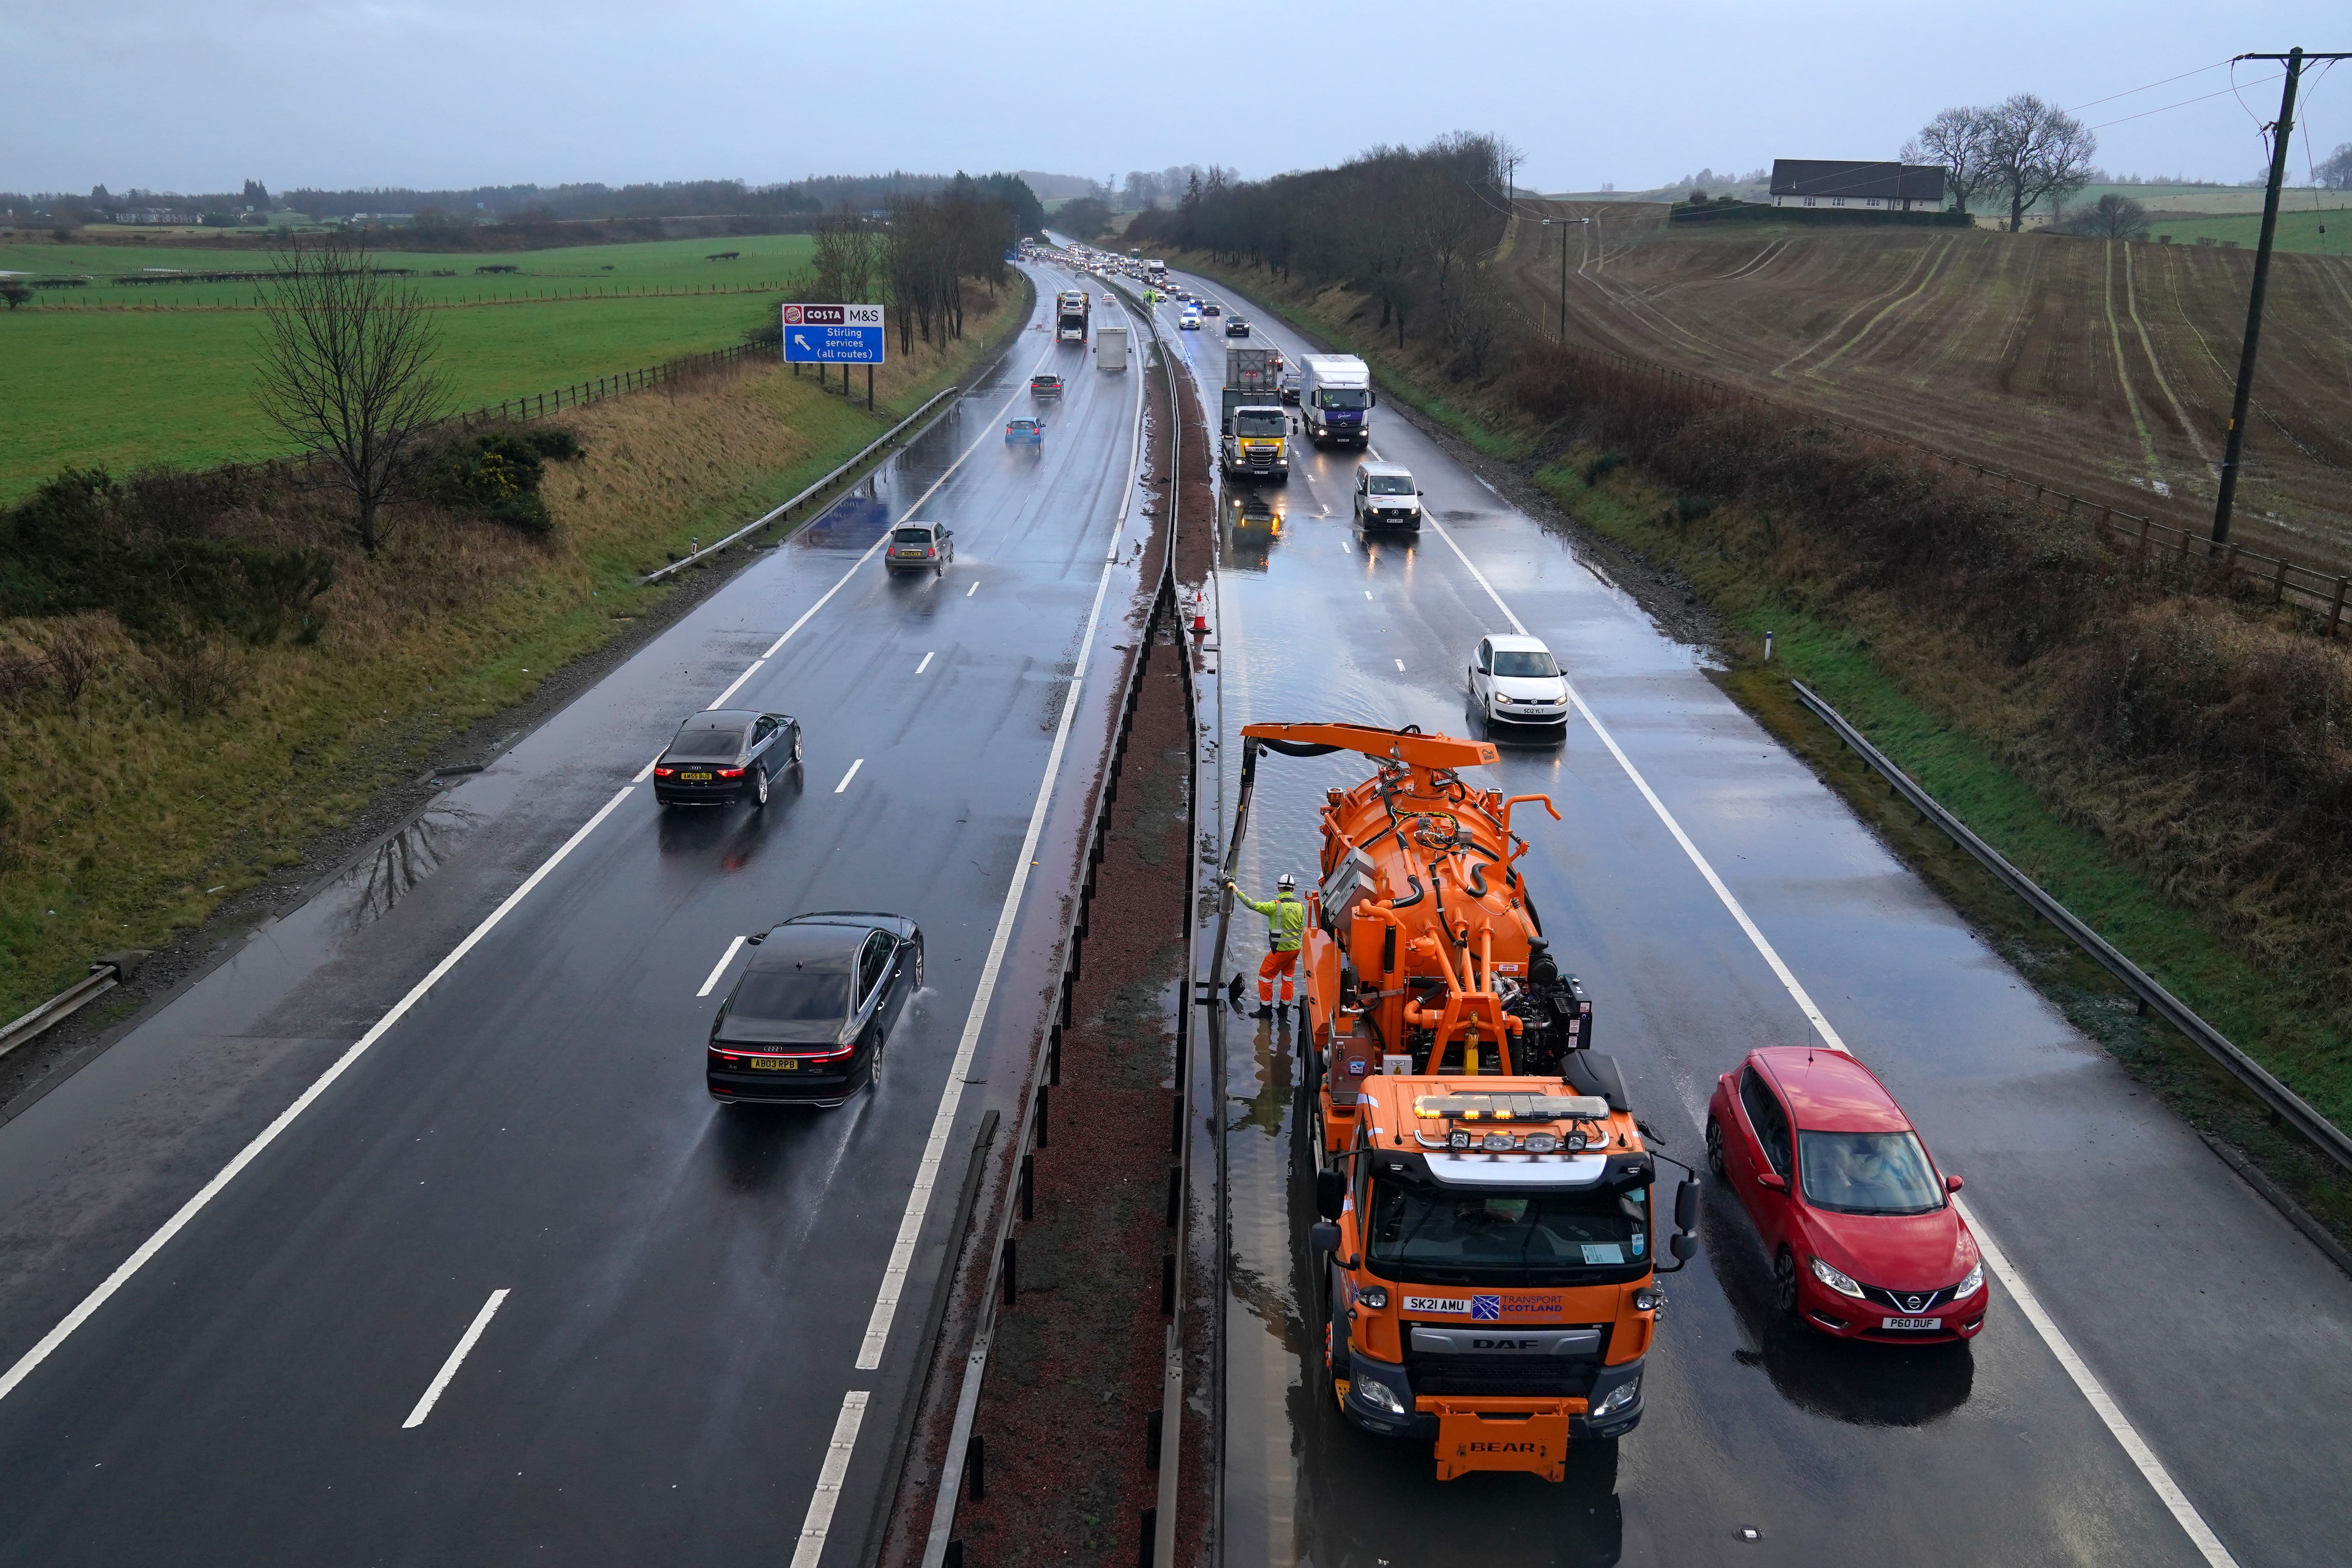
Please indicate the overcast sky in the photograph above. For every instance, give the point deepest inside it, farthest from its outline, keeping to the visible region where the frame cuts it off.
(446, 93)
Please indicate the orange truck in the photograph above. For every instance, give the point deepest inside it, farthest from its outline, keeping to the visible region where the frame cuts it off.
(1485, 1195)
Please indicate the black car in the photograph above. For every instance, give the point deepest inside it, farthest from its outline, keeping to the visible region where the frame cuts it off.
(807, 1022)
(719, 758)
(1237, 327)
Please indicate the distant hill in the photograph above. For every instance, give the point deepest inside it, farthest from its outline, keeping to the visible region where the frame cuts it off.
(1063, 187)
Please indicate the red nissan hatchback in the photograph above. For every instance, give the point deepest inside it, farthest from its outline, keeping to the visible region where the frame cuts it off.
(1866, 1243)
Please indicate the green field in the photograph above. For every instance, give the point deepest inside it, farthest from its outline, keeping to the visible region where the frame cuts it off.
(131, 375)
(2298, 228)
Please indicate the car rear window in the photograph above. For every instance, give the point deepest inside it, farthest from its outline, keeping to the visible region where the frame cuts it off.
(792, 996)
(911, 536)
(1525, 666)
(1867, 1172)
(706, 746)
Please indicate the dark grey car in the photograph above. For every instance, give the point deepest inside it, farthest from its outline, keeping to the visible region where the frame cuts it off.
(718, 758)
(807, 1022)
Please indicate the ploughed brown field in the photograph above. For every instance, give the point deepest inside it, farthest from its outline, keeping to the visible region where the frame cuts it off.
(2100, 368)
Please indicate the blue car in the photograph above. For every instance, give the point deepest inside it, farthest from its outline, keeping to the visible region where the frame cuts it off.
(1029, 430)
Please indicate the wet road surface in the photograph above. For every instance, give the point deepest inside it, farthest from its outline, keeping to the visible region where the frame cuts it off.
(651, 1309)
(2222, 1339)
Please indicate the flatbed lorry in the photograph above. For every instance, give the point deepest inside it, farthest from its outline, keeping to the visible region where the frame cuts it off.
(1483, 1196)
(1073, 314)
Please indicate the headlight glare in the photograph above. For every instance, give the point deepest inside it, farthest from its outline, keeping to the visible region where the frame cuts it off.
(1836, 1279)
(1617, 1399)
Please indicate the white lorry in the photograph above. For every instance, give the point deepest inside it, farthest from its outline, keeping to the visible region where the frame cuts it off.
(1110, 348)
(1336, 399)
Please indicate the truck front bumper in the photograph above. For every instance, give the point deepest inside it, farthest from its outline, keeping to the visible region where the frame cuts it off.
(1426, 1416)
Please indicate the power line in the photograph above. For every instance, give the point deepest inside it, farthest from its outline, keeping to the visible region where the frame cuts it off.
(2167, 81)
(2229, 91)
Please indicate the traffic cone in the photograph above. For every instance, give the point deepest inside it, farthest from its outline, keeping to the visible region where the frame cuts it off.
(1199, 614)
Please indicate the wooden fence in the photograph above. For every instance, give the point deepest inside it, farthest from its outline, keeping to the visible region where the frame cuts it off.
(582, 392)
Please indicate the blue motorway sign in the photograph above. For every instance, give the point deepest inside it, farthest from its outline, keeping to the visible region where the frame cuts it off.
(833, 334)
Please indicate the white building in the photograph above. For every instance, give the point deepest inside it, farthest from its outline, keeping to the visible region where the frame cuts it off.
(1864, 187)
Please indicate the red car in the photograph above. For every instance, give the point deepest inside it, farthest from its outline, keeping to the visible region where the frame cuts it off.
(1866, 1243)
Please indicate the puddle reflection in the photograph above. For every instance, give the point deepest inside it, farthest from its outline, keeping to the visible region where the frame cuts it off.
(404, 859)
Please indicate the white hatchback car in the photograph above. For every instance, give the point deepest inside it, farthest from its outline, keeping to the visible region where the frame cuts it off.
(1515, 680)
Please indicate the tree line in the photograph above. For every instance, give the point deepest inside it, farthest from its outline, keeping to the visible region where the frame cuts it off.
(1407, 227)
(915, 257)
(2020, 150)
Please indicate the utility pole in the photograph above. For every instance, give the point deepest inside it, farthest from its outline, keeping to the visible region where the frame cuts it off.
(2280, 135)
(1563, 223)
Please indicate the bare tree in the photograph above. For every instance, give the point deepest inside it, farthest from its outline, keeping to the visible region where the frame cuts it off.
(1962, 141)
(847, 255)
(2038, 151)
(2111, 217)
(346, 370)
(2335, 171)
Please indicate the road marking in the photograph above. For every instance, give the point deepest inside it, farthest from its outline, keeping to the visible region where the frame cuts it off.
(204, 1195)
(1400, 664)
(2118, 1425)
(924, 666)
(449, 1368)
(927, 1174)
(721, 701)
(647, 772)
(850, 775)
(945, 474)
(1367, 592)
(818, 1521)
(725, 959)
(967, 592)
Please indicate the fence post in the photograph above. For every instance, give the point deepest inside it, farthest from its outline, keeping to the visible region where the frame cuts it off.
(2139, 551)
(2278, 584)
(2336, 613)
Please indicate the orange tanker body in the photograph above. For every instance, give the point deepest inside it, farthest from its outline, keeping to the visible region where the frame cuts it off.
(1485, 1193)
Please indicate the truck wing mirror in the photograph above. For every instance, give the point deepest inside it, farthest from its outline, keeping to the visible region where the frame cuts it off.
(1330, 1193)
(1687, 1205)
(1324, 1237)
(1685, 1246)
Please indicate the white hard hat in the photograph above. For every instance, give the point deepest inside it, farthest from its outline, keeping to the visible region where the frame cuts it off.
(1286, 880)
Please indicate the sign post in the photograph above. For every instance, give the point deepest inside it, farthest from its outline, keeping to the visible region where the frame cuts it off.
(837, 334)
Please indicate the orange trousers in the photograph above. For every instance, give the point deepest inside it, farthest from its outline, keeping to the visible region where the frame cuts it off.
(1283, 964)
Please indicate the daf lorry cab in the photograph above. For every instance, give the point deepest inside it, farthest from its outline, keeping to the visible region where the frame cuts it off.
(1336, 399)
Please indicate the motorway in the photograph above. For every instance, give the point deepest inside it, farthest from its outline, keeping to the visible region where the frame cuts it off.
(409, 1233)
(2175, 1397)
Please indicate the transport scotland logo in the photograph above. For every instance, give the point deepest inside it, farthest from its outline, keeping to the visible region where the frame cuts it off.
(1487, 1308)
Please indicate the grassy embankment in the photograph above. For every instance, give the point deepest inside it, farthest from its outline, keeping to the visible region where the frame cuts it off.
(125, 375)
(132, 819)
(1928, 700)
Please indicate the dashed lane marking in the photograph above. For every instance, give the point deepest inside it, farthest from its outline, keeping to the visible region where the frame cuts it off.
(719, 968)
(457, 1358)
(924, 666)
(850, 775)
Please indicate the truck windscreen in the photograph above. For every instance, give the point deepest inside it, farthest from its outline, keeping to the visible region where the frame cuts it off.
(1260, 421)
(1452, 1236)
(1340, 398)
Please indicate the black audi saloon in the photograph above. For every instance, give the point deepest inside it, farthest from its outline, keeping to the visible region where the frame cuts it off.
(809, 1019)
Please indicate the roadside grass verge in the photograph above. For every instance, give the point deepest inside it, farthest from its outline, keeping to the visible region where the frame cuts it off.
(1923, 695)
(181, 775)
(127, 375)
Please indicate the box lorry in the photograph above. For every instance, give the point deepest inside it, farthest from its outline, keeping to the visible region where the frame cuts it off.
(1336, 399)
(1110, 348)
(1254, 428)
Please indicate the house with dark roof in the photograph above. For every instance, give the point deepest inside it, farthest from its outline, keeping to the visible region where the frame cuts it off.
(1864, 187)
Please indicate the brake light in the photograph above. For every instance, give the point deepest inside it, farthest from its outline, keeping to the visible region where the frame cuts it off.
(730, 773)
(665, 772)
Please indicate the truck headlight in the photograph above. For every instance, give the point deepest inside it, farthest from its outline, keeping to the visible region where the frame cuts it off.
(1379, 1397)
(1836, 1279)
(1618, 1398)
(1376, 1296)
(1972, 1284)
(1649, 1299)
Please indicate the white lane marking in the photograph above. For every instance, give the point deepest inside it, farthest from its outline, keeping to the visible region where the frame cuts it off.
(850, 775)
(927, 1174)
(2118, 1425)
(924, 666)
(449, 1368)
(268, 1136)
(721, 701)
(1400, 664)
(719, 968)
(818, 1521)
(967, 592)
(647, 772)
(915, 507)
(1367, 592)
